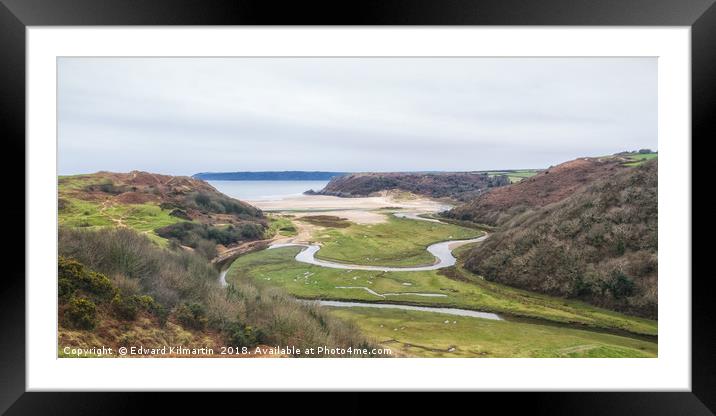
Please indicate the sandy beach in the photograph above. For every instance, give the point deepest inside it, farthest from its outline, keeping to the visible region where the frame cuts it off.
(333, 203)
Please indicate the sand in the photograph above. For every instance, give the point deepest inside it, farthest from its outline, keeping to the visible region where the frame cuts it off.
(369, 210)
(308, 203)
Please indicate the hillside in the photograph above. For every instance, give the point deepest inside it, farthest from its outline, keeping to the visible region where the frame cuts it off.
(188, 211)
(546, 187)
(292, 175)
(117, 289)
(459, 186)
(588, 230)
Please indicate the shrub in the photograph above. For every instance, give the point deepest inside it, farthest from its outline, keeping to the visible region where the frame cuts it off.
(81, 313)
(621, 285)
(73, 276)
(192, 315)
(125, 307)
(222, 204)
(241, 335)
(204, 238)
(106, 187)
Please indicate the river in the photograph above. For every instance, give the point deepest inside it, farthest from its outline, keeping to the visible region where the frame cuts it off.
(444, 258)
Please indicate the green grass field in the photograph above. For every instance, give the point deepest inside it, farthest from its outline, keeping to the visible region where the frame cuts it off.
(396, 242)
(75, 212)
(639, 158)
(428, 334)
(278, 267)
(515, 175)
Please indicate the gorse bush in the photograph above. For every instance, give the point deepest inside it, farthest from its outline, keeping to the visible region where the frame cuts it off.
(192, 315)
(220, 203)
(241, 335)
(127, 307)
(74, 276)
(81, 313)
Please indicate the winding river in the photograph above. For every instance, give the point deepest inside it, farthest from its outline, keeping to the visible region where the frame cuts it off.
(442, 252)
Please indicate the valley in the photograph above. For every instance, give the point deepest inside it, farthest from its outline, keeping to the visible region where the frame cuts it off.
(393, 268)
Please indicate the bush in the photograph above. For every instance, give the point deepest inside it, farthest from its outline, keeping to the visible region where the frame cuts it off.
(204, 238)
(106, 187)
(621, 285)
(192, 315)
(81, 313)
(241, 335)
(74, 276)
(125, 307)
(222, 204)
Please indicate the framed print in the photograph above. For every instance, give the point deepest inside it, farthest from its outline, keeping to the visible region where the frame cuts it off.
(232, 198)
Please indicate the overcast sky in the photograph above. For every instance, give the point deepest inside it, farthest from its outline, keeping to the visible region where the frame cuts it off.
(189, 115)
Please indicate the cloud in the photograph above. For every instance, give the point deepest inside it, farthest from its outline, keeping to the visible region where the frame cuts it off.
(185, 115)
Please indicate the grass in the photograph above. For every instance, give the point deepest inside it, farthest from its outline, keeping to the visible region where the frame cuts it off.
(428, 334)
(639, 158)
(76, 212)
(280, 225)
(278, 267)
(396, 242)
(140, 217)
(515, 175)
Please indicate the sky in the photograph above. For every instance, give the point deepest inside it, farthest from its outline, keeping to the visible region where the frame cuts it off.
(181, 116)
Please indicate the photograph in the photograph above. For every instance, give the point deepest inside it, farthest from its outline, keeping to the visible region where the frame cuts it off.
(357, 207)
(467, 197)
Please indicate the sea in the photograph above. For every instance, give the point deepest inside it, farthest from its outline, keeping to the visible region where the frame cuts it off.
(266, 190)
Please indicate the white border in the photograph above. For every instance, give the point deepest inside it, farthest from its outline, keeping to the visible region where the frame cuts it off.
(670, 371)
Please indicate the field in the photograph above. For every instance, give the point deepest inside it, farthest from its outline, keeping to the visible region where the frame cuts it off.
(639, 158)
(426, 334)
(396, 242)
(458, 287)
(515, 175)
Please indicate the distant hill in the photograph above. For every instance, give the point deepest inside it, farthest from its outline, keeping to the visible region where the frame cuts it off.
(456, 185)
(293, 175)
(585, 229)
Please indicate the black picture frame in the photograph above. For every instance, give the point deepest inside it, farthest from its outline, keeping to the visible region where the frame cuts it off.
(16, 15)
